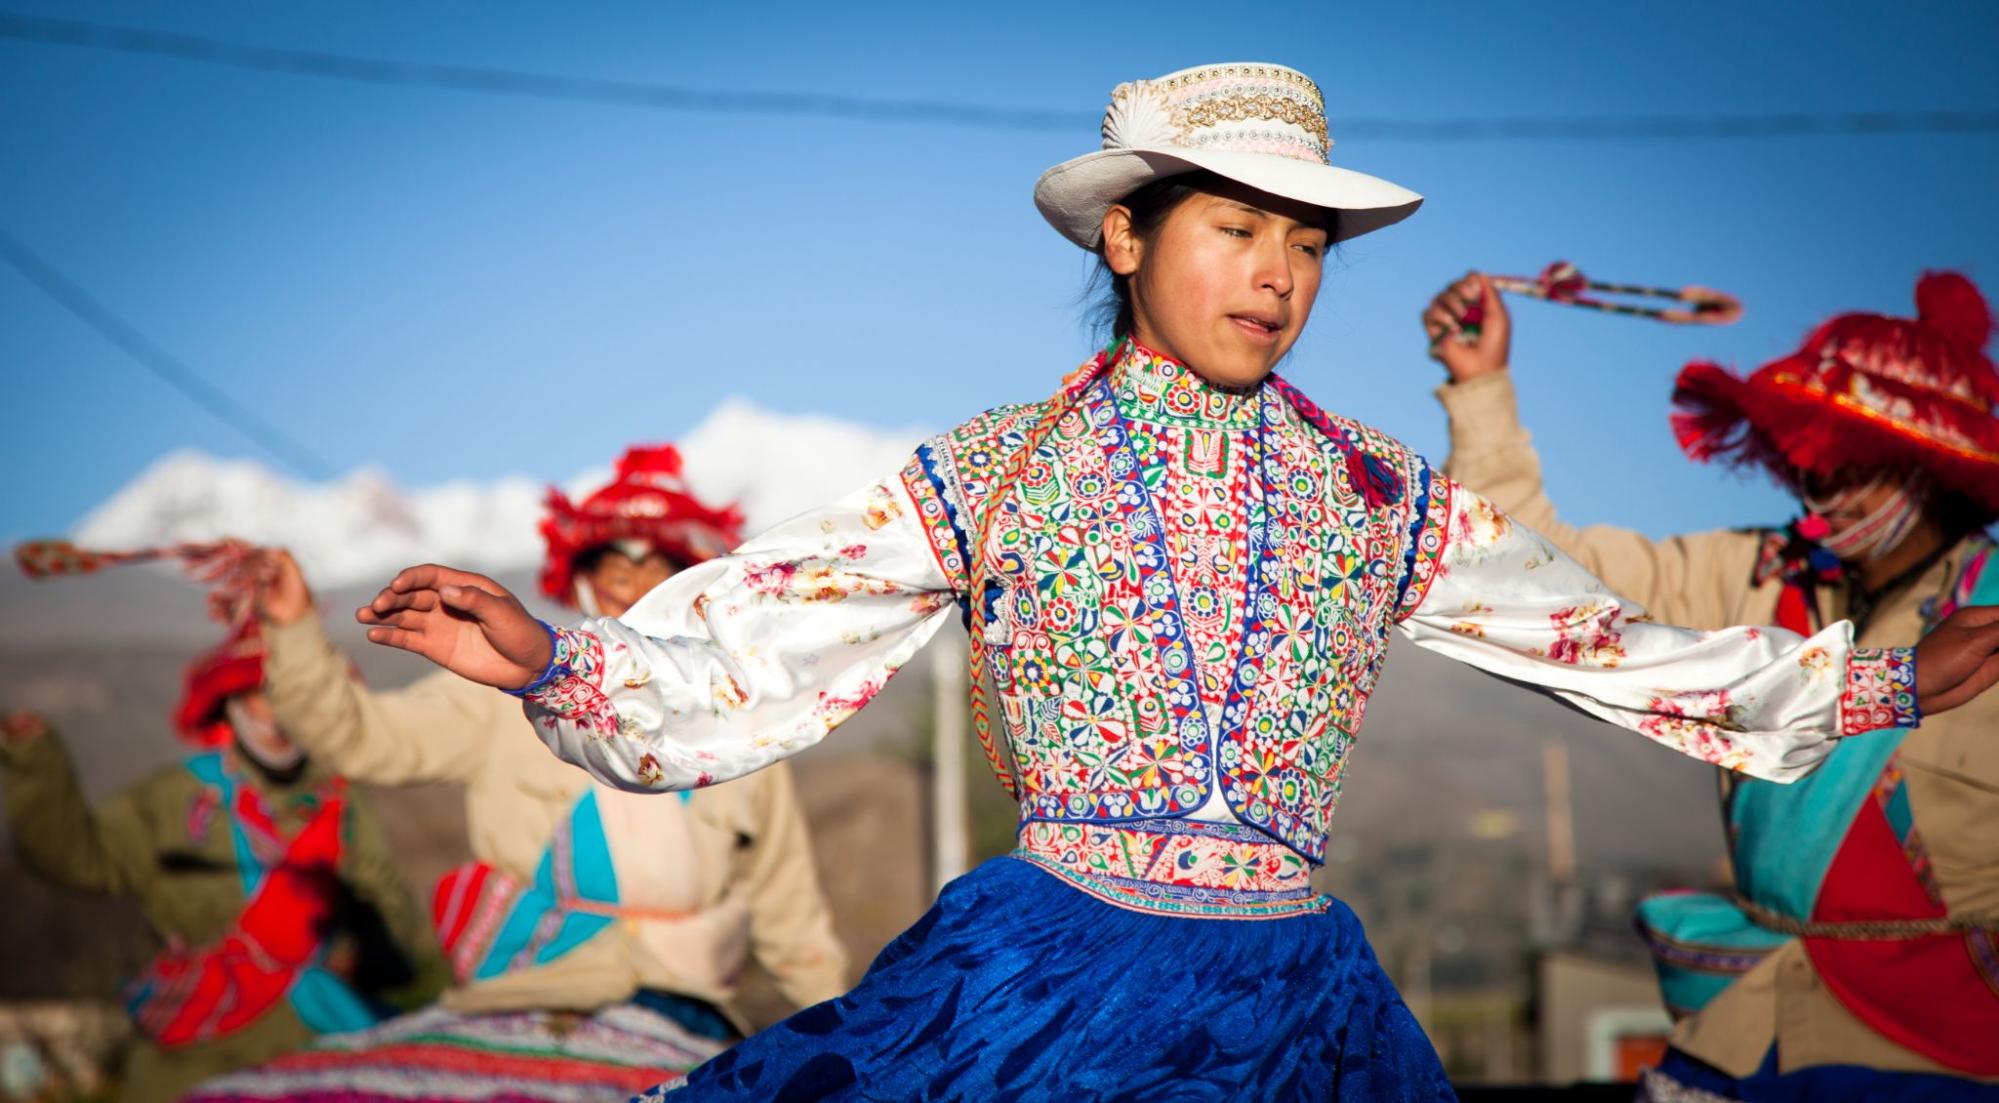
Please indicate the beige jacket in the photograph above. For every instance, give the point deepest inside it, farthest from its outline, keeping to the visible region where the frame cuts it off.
(723, 872)
(1703, 581)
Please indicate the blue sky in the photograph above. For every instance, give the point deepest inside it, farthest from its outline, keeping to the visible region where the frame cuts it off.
(444, 284)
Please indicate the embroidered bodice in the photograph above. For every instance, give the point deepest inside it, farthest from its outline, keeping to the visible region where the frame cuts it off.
(1186, 593)
(1182, 592)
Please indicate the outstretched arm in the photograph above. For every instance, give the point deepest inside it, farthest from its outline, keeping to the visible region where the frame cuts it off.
(436, 729)
(55, 830)
(726, 667)
(1762, 701)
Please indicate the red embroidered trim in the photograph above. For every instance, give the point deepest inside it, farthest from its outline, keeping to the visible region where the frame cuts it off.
(1880, 690)
(575, 693)
(1176, 867)
(1432, 536)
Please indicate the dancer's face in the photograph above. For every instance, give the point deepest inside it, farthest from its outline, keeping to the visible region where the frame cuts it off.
(258, 734)
(618, 581)
(1226, 282)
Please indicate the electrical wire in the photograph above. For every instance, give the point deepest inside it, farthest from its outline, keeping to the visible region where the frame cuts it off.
(175, 372)
(516, 83)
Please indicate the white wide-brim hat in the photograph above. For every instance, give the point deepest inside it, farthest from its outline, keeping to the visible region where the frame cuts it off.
(1260, 125)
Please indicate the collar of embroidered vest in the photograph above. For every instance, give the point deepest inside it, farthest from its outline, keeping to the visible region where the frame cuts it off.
(1151, 387)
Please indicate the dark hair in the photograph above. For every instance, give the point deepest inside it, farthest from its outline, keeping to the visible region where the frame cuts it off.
(1961, 515)
(588, 561)
(1957, 513)
(1149, 206)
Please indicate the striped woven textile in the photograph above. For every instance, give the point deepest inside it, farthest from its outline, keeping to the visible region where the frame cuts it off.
(516, 1057)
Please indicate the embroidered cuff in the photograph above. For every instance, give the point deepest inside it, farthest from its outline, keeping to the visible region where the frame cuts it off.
(573, 656)
(571, 689)
(1880, 690)
(550, 672)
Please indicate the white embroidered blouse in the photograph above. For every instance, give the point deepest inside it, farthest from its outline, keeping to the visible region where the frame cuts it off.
(757, 655)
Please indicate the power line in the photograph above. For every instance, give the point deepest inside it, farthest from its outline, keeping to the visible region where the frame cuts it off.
(508, 82)
(466, 78)
(159, 361)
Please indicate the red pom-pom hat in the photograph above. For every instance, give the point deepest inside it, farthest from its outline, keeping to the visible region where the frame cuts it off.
(1864, 391)
(234, 668)
(648, 500)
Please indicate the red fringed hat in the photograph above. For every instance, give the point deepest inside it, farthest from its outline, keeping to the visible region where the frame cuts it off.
(648, 500)
(236, 667)
(1864, 391)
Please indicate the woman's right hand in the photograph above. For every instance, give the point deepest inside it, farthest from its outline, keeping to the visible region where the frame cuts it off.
(1465, 355)
(463, 622)
(283, 598)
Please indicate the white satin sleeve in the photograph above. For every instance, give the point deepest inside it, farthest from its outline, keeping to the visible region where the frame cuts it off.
(1760, 700)
(751, 657)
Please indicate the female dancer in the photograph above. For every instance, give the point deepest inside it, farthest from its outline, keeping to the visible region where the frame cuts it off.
(1179, 574)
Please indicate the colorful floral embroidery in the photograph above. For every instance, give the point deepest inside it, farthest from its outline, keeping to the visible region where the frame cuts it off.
(1183, 593)
(949, 471)
(1880, 690)
(1429, 533)
(882, 509)
(822, 578)
(1479, 526)
(1186, 585)
(1695, 724)
(1588, 634)
(572, 690)
(1176, 867)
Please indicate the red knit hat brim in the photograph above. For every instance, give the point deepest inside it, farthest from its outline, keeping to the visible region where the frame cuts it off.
(1784, 420)
(646, 501)
(212, 680)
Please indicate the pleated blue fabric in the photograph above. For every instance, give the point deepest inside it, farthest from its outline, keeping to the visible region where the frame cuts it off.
(1017, 985)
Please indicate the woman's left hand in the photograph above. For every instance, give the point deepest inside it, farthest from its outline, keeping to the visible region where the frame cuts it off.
(464, 622)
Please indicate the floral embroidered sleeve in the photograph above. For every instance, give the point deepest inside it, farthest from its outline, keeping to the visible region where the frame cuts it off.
(1762, 701)
(750, 657)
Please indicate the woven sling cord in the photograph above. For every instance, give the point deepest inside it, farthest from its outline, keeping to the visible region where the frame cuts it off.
(1864, 930)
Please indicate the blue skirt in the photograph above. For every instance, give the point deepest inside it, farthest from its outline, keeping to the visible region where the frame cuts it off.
(1017, 985)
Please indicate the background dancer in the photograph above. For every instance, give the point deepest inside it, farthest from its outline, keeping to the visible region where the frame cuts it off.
(599, 937)
(280, 907)
(1858, 959)
(1180, 574)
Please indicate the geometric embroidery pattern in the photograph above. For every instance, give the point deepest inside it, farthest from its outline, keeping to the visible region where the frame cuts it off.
(1185, 589)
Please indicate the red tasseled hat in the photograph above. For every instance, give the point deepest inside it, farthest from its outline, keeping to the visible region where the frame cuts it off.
(1864, 391)
(647, 500)
(236, 667)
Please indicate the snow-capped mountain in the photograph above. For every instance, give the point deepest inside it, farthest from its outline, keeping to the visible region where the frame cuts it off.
(361, 527)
